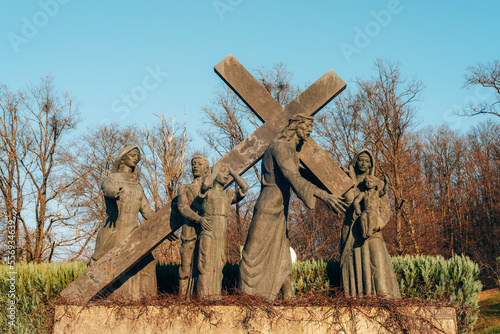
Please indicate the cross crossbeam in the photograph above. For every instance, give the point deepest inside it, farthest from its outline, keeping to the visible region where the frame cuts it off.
(268, 110)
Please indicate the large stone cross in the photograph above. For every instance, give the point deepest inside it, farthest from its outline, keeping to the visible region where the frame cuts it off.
(149, 235)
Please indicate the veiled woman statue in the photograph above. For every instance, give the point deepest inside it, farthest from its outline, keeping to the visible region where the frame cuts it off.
(365, 263)
(124, 199)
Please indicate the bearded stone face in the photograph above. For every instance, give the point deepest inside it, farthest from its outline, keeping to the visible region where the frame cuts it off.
(304, 130)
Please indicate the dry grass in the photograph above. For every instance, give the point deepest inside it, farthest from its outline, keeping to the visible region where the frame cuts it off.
(334, 305)
(489, 310)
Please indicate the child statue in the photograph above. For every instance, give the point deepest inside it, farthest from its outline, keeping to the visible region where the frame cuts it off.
(370, 198)
(216, 203)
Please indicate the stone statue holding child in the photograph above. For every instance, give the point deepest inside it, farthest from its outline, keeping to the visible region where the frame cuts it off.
(365, 263)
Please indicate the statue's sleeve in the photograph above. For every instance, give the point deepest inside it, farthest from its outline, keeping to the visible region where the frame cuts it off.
(145, 209)
(238, 195)
(235, 196)
(184, 204)
(110, 187)
(304, 189)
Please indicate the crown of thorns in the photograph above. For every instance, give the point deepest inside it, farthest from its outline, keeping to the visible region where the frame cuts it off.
(300, 118)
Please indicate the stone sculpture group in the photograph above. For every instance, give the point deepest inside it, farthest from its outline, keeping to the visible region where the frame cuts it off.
(266, 264)
(202, 207)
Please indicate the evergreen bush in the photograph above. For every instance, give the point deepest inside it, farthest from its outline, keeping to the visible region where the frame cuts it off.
(434, 278)
(310, 276)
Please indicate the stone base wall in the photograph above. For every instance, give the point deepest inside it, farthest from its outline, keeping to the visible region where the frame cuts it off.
(253, 320)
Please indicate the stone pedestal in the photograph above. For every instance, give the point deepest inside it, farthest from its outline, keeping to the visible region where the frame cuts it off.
(236, 319)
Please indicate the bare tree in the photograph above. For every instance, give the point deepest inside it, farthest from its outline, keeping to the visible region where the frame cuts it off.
(486, 75)
(387, 114)
(277, 80)
(230, 120)
(96, 147)
(338, 128)
(162, 169)
(482, 194)
(378, 114)
(443, 160)
(165, 160)
(238, 222)
(13, 149)
(50, 117)
(313, 234)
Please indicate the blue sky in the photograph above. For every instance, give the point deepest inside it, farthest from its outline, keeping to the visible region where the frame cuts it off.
(101, 50)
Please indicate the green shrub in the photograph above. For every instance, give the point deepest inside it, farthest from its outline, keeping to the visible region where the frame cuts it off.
(434, 278)
(310, 276)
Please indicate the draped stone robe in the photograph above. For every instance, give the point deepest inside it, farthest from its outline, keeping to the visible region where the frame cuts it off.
(122, 214)
(266, 259)
(212, 249)
(365, 263)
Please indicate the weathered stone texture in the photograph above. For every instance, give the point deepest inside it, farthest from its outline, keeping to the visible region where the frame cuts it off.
(237, 320)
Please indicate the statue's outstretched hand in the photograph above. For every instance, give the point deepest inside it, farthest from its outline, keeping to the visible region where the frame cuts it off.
(336, 203)
(215, 169)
